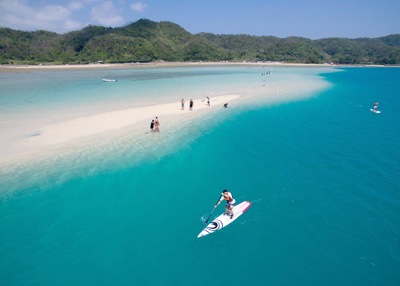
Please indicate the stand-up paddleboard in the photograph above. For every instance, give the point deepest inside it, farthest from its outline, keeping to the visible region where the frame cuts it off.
(375, 111)
(223, 220)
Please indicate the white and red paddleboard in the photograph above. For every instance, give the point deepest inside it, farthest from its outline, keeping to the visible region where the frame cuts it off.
(223, 220)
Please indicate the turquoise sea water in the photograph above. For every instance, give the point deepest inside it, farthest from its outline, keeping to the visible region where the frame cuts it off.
(322, 174)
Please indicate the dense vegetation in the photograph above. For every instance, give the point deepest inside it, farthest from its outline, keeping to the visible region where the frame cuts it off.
(145, 41)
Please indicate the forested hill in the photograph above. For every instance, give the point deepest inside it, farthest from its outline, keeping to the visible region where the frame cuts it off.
(146, 41)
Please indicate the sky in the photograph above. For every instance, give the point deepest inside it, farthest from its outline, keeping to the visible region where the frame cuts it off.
(313, 19)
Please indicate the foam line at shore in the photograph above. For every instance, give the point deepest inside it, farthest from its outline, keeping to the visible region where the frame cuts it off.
(30, 68)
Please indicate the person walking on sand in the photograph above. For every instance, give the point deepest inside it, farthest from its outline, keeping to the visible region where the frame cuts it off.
(230, 202)
(191, 105)
(208, 101)
(156, 125)
(183, 104)
(152, 125)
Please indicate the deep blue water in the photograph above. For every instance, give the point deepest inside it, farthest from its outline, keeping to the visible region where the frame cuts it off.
(322, 175)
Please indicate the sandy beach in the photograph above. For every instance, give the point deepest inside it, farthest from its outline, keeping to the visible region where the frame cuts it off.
(41, 137)
(30, 68)
(81, 128)
(85, 130)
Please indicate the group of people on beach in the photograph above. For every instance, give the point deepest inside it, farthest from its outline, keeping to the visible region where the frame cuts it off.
(155, 125)
(183, 104)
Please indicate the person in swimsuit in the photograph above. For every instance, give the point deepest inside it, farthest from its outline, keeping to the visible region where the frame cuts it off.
(191, 105)
(183, 104)
(230, 202)
(156, 125)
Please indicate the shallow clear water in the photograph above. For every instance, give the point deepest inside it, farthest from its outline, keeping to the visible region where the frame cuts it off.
(321, 173)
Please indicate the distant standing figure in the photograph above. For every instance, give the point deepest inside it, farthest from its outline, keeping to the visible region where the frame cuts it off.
(152, 125)
(264, 83)
(208, 101)
(156, 125)
(183, 104)
(191, 105)
(376, 106)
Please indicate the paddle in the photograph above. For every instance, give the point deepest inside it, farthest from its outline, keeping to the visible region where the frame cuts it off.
(212, 211)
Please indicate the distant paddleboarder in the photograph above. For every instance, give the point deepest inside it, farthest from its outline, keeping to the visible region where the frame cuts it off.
(230, 202)
(376, 106)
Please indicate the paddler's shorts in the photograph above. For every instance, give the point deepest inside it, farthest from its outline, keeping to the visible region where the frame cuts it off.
(230, 204)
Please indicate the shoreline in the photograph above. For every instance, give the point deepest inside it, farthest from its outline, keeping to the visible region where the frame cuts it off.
(41, 138)
(85, 130)
(30, 68)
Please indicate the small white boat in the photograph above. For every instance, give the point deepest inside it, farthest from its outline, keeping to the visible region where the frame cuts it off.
(109, 80)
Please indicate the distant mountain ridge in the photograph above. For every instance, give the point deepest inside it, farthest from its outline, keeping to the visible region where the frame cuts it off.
(146, 41)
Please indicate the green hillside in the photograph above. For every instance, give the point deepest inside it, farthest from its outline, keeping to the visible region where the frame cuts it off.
(146, 41)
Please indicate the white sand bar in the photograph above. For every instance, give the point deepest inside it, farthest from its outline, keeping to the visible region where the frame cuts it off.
(100, 124)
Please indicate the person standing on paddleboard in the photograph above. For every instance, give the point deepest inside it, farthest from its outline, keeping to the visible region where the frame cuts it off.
(230, 202)
(376, 106)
